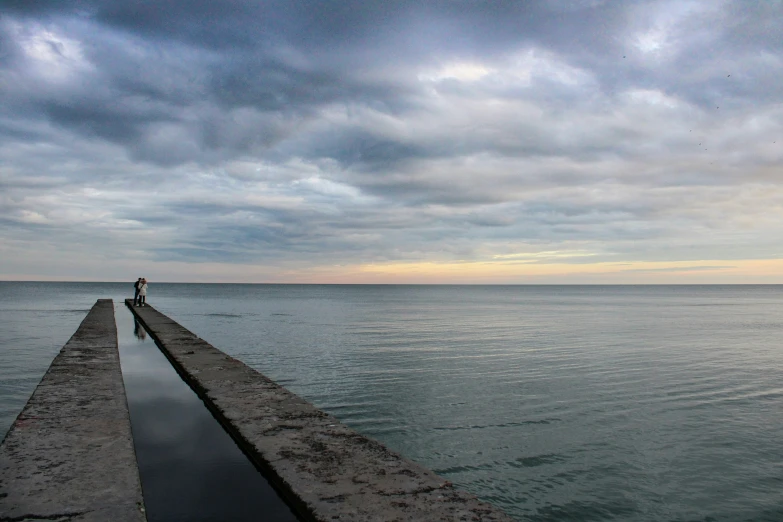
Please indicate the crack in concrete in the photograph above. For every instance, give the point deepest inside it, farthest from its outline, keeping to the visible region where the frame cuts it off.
(31, 517)
(419, 491)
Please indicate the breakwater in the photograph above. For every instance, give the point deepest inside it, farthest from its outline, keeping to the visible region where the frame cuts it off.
(324, 469)
(190, 468)
(69, 454)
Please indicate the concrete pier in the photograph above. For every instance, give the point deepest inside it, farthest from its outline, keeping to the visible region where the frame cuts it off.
(324, 469)
(69, 455)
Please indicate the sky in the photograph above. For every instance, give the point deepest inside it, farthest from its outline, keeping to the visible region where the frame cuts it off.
(444, 141)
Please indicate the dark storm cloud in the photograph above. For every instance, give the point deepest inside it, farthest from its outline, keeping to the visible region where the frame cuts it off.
(286, 60)
(346, 25)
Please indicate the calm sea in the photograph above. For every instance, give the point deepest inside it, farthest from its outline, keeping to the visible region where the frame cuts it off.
(552, 402)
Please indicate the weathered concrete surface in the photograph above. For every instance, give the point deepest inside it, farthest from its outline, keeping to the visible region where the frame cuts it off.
(69, 455)
(325, 470)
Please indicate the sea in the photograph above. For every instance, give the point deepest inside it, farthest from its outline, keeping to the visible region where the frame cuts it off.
(555, 403)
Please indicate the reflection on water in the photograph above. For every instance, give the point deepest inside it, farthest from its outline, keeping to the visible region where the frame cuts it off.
(191, 470)
(139, 330)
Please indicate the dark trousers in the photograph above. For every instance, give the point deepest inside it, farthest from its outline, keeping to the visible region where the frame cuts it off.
(142, 299)
(136, 298)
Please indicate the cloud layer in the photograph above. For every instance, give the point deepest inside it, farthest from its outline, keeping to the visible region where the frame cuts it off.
(287, 141)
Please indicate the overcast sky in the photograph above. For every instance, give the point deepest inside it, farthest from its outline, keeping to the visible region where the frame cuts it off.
(453, 141)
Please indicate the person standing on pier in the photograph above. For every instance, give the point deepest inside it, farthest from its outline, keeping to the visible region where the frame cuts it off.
(143, 292)
(136, 286)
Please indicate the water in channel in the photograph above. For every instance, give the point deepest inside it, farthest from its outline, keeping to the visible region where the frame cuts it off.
(191, 470)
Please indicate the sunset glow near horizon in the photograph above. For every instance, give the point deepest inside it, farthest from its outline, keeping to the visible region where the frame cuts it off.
(458, 141)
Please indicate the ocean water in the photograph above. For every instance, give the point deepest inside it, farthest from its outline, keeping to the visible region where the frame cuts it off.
(553, 402)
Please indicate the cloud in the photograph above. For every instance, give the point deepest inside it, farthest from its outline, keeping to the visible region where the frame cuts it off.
(280, 133)
(680, 269)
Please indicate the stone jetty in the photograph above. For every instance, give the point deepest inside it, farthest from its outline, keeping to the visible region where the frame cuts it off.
(325, 470)
(69, 455)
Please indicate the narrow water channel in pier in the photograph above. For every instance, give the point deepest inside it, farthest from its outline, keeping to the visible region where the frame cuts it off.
(190, 468)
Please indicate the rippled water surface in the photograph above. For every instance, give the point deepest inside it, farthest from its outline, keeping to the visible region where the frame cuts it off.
(553, 402)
